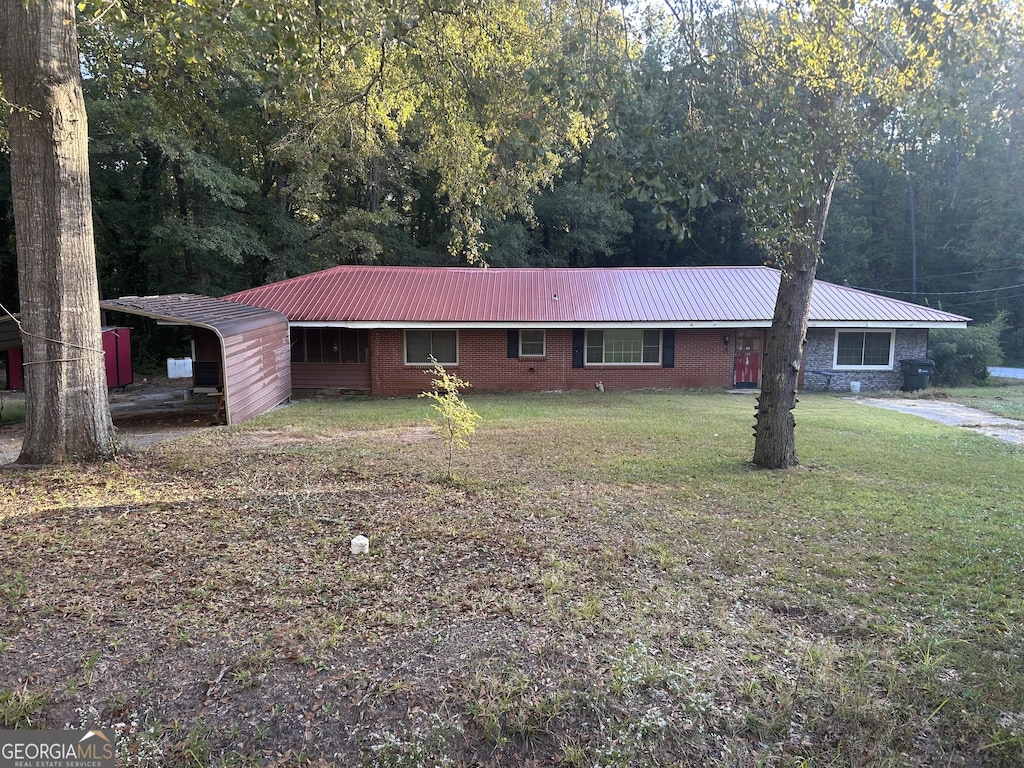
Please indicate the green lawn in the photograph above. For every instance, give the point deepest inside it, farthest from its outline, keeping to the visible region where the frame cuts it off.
(1003, 397)
(608, 583)
(11, 410)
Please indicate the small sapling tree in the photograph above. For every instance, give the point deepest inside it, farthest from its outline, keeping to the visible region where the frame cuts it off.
(455, 420)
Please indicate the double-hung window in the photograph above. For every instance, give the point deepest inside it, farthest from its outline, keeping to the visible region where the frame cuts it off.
(864, 349)
(624, 346)
(531, 343)
(420, 346)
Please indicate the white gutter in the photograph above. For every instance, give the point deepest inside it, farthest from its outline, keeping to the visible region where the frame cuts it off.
(370, 325)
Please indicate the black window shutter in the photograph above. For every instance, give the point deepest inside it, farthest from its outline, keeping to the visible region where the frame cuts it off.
(513, 342)
(668, 348)
(578, 340)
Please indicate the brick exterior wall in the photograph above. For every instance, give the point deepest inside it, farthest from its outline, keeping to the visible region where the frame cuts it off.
(701, 360)
(911, 343)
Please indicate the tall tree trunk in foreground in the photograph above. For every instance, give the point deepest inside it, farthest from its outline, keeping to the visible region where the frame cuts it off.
(66, 412)
(775, 431)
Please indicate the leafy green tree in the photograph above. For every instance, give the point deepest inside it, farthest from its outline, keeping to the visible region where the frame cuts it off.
(430, 119)
(942, 225)
(867, 244)
(189, 194)
(455, 420)
(834, 75)
(578, 226)
(775, 102)
(238, 132)
(964, 355)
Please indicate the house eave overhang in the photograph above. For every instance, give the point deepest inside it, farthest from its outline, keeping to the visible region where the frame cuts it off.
(552, 325)
(546, 325)
(887, 324)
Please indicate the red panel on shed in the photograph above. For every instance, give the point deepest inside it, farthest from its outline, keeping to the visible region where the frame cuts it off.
(117, 357)
(15, 373)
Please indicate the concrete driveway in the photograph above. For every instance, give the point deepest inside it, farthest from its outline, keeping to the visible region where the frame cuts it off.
(956, 415)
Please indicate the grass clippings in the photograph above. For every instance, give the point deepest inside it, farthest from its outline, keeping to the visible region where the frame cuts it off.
(607, 583)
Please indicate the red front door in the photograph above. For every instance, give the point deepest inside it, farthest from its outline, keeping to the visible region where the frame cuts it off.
(748, 359)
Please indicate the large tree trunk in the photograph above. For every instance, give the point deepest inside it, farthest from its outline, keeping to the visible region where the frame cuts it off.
(66, 412)
(775, 431)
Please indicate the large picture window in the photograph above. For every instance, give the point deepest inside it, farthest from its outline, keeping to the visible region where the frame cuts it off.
(420, 346)
(531, 343)
(624, 346)
(864, 349)
(329, 345)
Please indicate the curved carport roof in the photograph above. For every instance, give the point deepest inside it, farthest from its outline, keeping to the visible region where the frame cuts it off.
(255, 349)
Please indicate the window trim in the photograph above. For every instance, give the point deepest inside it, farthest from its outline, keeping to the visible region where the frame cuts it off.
(863, 332)
(427, 363)
(543, 342)
(645, 364)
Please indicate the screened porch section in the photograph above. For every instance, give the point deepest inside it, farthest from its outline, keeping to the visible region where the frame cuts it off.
(330, 358)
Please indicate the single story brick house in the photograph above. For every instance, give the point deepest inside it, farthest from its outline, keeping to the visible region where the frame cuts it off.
(374, 329)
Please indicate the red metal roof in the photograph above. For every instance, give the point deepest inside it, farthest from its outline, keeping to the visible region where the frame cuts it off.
(369, 296)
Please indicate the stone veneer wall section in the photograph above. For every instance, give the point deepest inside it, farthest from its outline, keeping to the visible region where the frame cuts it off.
(911, 344)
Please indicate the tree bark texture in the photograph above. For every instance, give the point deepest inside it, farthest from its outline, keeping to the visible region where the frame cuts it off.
(775, 432)
(66, 413)
(775, 429)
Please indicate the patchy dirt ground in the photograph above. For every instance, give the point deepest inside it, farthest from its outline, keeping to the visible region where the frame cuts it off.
(584, 597)
(145, 413)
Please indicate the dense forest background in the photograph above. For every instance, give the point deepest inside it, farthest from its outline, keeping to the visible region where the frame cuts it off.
(494, 135)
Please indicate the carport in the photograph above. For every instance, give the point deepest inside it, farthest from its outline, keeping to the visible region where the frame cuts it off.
(241, 352)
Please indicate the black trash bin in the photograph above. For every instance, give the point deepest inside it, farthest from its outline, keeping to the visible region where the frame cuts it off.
(916, 374)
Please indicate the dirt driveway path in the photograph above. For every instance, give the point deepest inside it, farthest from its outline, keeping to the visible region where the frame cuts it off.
(956, 415)
(145, 413)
